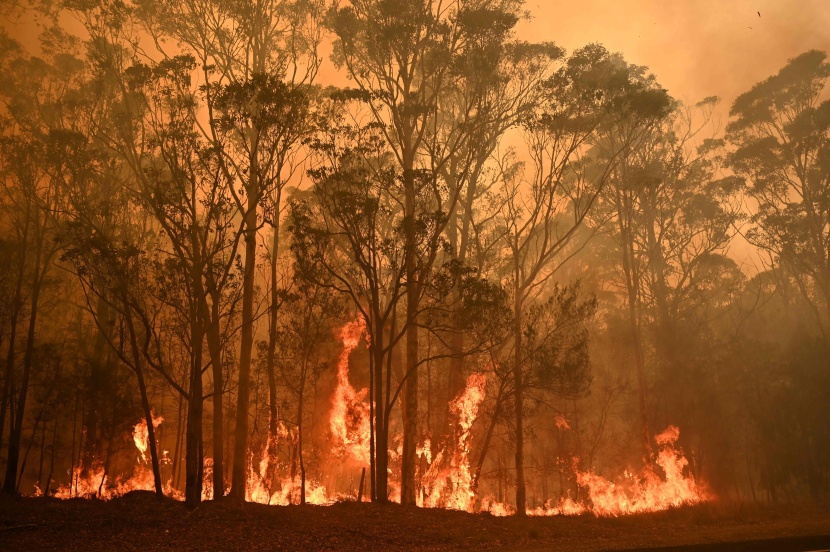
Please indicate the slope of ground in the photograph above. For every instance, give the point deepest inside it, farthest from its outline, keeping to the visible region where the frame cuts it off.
(139, 521)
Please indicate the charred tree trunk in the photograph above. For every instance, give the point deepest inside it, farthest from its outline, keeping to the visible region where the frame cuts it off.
(215, 350)
(145, 405)
(16, 433)
(518, 397)
(300, 430)
(193, 438)
(240, 446)
(271, 360)
(6, 401)
(194, 459)
(410, 399)
(381, 417)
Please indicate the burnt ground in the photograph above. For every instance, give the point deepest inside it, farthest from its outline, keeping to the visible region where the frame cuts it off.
(139, 521)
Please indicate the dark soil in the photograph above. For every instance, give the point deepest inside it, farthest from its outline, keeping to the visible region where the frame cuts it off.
(139, 521)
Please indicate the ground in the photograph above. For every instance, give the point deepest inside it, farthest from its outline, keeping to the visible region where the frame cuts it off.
(139, 521)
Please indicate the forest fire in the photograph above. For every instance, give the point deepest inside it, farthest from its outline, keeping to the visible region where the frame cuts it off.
(447, 481)
(349, 420)
(141, 436)
(328, 252)
(633, 494)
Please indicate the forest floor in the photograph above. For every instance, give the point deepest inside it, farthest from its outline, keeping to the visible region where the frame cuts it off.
(139, 521)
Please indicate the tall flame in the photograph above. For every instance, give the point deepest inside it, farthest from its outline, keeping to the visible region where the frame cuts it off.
(650, 492)
(141, 436)
(448, 481)
(349, 419)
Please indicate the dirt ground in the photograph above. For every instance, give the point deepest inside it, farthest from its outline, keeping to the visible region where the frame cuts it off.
(139, 521)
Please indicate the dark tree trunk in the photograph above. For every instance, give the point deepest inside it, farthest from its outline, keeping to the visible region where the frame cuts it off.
(518, 397)
(381, 430)
(240, 446)
(16, 434)
(145, 405)
(271, 361)
(410, 399)
(215, 351)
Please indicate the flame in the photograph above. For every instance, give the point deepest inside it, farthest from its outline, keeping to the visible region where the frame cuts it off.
(141, 437)
(446, 480)
(632, 494)
(650, 492)
(349, 420)
(95, 482)
(450, 486)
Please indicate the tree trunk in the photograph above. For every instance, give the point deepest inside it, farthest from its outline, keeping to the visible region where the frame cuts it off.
(6, 402)
(10, 482)
(194, 459)
(193, 438)
(521, 493)
(215, 351)
(303, 376)
(240, 446)
(271, 361)
(381, 417)
(632, 287)
(145, 404)
(410, 400)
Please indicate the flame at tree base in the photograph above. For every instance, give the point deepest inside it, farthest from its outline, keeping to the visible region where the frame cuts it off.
(446, 480)
(630, 494)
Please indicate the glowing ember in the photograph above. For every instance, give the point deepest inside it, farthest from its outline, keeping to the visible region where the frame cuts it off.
(350, 414)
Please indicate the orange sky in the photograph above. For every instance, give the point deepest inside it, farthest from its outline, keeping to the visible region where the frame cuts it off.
(697, 48)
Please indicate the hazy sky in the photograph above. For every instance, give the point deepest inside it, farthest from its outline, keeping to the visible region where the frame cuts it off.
(696, 48)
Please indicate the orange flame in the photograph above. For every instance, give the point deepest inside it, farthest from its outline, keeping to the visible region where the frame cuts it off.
(141, 437)
(447, 481)
(451, 486)
(349, 419)
(632, 494)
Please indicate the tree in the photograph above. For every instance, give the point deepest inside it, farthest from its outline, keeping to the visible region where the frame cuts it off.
(672, 219)
(781, 133)
(348, 237)
(595, 100)
(405, 57)
(34, 151)
(243, 49)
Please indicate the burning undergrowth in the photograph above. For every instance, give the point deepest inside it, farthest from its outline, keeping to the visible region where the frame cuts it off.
(446, 478)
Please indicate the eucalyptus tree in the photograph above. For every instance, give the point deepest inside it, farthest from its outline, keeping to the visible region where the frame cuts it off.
(147, 114)
(671, 215)
(37, 146)
(348, 236)
(595, 101)
(780, 130)
(250, 56)
(502, 81)
(409, 57)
